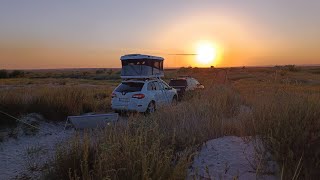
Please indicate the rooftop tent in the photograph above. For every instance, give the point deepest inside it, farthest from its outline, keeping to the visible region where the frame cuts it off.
(141, 66)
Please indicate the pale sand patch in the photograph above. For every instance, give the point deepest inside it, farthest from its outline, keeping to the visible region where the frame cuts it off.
(229, 157)
(26, 156)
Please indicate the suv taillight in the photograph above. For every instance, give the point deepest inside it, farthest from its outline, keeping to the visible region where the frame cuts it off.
(113, 95)
(138, 96)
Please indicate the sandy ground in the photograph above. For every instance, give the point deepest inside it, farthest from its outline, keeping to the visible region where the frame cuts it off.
(229, 157)
(224, 158)
(26, 155)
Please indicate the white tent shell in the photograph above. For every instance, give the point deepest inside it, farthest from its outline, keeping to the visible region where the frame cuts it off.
(141, 66)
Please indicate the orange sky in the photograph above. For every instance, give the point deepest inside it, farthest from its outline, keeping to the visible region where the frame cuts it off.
(82, 35)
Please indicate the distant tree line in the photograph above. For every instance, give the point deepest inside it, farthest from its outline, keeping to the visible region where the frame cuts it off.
(13, 74)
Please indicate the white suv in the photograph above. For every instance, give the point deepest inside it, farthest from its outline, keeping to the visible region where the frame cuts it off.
(142, 95)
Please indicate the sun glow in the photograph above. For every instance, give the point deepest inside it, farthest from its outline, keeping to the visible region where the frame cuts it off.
(206, 53)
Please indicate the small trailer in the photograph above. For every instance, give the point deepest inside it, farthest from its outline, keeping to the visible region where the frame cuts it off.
(91, 121)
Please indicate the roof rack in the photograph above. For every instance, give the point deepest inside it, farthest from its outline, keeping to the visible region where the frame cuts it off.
(141, 79)
(142, 76)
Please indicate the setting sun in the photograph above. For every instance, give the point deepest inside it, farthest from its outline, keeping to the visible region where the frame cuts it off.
(206, 53)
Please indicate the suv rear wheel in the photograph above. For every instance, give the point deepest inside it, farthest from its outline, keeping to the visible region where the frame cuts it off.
(151, 108)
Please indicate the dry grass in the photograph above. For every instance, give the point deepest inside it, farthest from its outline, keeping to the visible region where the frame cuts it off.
(283, 109)
(289, 126)
(161, 146)
(55, 102)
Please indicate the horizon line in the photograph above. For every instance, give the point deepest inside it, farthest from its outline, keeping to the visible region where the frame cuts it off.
(177, 67)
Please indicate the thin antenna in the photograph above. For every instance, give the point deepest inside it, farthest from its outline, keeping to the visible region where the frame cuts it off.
(183, 54)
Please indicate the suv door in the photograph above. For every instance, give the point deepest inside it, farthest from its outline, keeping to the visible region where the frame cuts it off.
(153, 90)
(166, 92)
(159, 94)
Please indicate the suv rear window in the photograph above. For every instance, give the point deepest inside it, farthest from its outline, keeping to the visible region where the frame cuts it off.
(178, 82)
(130, 87)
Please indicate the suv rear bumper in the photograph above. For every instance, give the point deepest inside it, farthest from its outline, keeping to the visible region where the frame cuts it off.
(130, 107)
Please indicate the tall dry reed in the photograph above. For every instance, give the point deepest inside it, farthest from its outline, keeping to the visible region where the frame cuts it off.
(54, 102)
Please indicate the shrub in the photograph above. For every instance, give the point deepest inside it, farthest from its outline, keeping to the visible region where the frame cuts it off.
(16, 74)
(99, 71)
(292, 68)
(110, 71)
(3, 74)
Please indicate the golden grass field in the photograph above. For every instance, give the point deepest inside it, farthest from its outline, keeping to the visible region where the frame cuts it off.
(283, 110)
